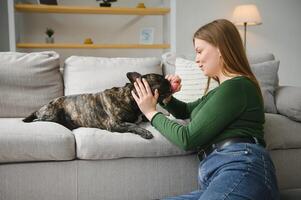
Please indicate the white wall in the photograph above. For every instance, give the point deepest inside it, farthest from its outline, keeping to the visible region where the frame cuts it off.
(279, 34)
(74, 28)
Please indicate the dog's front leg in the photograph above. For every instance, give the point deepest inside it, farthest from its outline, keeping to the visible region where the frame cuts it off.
(132, 128)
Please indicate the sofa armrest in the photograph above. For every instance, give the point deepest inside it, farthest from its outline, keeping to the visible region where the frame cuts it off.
(288, 101)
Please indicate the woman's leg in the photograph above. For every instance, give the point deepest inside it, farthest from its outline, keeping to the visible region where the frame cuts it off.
(241, 172)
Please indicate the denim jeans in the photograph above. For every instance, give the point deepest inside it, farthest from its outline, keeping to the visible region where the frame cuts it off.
(235, 172)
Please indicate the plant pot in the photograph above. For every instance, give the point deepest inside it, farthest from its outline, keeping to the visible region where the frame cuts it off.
(49, 39)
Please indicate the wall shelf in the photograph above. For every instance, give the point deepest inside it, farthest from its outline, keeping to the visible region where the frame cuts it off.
(61, 9)
(90, 10)
(91, 46)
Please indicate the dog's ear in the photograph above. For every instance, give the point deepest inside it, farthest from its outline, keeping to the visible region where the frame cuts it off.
(132, 76)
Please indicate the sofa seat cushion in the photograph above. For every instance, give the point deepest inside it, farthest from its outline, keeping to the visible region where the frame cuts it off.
(36, 141)
(281, 132)
(97, 144)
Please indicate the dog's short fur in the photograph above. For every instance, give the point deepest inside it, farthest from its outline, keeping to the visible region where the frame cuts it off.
(113, 109)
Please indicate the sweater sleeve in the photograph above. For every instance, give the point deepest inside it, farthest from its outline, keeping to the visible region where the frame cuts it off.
(180, 109)
(222, 108)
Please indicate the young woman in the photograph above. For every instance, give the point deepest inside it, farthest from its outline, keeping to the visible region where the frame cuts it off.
(226, 126)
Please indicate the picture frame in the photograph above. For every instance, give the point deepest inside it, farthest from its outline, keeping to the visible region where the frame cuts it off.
(147, 35)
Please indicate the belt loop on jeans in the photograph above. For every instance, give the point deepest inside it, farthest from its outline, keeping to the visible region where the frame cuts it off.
(256, 140)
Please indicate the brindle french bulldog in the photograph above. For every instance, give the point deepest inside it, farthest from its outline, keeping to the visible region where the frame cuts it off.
(113, 109)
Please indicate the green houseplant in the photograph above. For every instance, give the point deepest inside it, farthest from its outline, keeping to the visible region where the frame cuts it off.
(50, 38)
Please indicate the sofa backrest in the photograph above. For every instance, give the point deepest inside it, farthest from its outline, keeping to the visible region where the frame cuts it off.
(28, 81)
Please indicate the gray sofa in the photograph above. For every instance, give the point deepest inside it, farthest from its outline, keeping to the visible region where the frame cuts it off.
(44, 160)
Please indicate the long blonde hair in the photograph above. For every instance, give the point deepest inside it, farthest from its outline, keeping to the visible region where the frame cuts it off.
(224, 35)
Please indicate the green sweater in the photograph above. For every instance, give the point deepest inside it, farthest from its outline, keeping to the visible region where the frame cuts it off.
(233, 109)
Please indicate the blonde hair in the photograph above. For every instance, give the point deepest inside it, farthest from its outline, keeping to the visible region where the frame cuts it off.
(224, 35)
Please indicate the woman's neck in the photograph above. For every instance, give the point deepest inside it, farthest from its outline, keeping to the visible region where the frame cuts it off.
(223, 77)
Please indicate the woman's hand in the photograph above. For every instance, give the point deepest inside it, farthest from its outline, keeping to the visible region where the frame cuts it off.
(145, 99)
(175, 82)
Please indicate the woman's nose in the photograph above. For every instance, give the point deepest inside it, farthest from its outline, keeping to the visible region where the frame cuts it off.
(197, 59)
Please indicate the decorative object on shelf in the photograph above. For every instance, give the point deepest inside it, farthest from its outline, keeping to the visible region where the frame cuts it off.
(246, 15)
(140, 5)
(48, 2)
(106, 3)
(50, 38)
(147, 36)
(88, 41)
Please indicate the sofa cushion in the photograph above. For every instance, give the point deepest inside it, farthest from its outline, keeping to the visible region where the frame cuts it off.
(281, 132)
(260, 57)
(28, 81)
(194, 81)
(288, 102)
(267, 75)
(95, 74)
(92, 143)
(35, 141)
(168, 61)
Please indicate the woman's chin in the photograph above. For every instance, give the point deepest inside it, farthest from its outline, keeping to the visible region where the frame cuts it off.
(205, 74)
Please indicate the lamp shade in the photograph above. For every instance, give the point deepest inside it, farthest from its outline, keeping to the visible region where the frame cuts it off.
(248, 14)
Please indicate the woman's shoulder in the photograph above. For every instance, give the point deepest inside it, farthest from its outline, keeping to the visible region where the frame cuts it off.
(237, 85)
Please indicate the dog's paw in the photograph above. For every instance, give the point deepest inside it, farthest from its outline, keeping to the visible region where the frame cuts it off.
(146, 134)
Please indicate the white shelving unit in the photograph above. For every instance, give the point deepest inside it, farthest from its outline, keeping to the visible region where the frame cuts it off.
(167, 11)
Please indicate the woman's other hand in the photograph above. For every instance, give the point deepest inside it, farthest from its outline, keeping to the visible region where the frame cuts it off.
(175, 82)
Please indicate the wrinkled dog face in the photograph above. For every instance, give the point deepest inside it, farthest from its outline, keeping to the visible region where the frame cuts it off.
(155, 81)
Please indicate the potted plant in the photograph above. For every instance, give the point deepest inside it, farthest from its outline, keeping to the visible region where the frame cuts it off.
(49, 32)
(106, 3)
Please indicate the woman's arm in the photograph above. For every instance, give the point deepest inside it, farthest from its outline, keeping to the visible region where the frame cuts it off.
(180, 109)
(223, 107)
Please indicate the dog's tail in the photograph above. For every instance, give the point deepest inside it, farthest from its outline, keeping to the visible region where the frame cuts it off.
(30, 118)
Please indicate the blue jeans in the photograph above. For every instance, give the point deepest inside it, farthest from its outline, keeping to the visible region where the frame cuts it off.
(235, 172)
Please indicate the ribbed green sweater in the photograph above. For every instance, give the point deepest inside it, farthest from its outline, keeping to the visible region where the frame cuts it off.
(233, 109)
